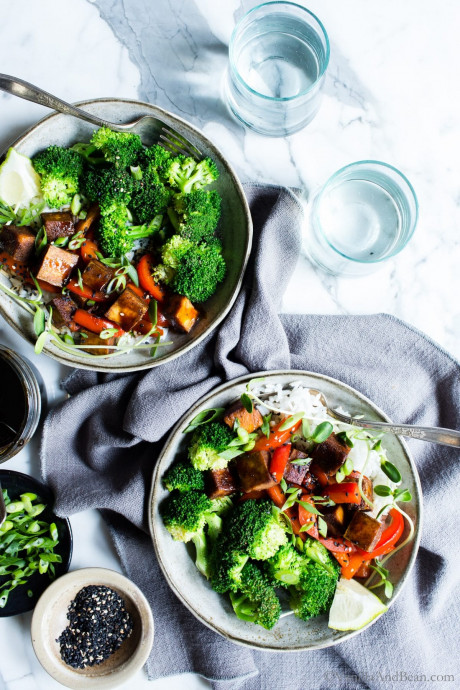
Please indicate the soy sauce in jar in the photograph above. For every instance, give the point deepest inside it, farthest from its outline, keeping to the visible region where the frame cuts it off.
(13, 405)
(20, 402)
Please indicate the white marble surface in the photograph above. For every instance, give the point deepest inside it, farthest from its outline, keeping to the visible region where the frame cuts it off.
(391, 94)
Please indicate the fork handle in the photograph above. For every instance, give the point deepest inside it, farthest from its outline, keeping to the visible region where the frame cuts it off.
(446, 437)
(22, 89)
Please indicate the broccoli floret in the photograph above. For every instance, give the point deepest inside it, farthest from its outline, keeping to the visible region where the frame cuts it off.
(184, 514)
(204, 543)
(174, 249)
(112, 233)
(89, 153)
(285, 567)
(107, 185)
(183, 477)
(188, 175)
(253, 530)
(158, 158)
(315, 591)
(163, 274)
(60, 170)
(222, 506)
(206, 444)
(122, 149)
(318, 553)
(227, 565)
(199, 272)
(195, 215)
(116, 237)
(256, 600)
(150, 196)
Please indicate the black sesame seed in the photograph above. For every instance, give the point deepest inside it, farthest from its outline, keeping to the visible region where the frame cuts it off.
(98, 625)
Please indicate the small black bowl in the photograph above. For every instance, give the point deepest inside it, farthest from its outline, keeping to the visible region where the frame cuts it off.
(16, 484)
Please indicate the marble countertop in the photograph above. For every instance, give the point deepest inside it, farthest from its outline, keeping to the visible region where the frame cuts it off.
(390, 94)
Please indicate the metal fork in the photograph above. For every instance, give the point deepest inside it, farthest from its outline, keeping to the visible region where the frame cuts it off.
(169, 138)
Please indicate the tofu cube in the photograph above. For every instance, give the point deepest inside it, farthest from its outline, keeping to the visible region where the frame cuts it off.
(364, 531)
(63, 310)
(331, 454)
(253, 471)
(182, 313)
(58, 224)
(56, 265)
(17, 242)
(127, 310)
(93, 339)
(220, 483)
(248, 420)
(97, 275)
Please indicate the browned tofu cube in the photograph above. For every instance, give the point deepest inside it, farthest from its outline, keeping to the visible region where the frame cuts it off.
(96, 275)
(248, 420)
(295, 474)
(364, 531)
(220, 483)
(331, 454)
(182, 313)
(336, 519)
(127, 310)
(253, 471)
(63, 310)
(18, 242)
(56, 265)
(310, 484)
(93, 339)
(364, 571)
(58, 224)
(368, 491)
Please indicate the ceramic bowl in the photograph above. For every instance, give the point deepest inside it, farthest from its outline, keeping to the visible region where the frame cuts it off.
(214, 610)
(16, 484)
(50, 619)
(235, 226)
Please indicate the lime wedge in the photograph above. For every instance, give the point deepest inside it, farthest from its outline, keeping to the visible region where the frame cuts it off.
(19, 183)
(353, 606)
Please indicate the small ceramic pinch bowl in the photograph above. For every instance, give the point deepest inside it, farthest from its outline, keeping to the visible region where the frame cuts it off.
(50, 619)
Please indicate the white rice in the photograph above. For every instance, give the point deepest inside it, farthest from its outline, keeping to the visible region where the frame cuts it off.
(296, 398)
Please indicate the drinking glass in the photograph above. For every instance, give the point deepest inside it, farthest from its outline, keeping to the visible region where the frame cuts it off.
(278, 56)
(364, 214)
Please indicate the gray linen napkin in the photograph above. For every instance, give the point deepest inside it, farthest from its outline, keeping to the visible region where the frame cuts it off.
(112, 429)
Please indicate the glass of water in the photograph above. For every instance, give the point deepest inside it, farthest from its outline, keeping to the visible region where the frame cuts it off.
(278, 56)
(363, 215)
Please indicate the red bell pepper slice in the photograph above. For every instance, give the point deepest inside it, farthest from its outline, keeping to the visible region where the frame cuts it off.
(305, 516)
(277, 496)
(96, 324)
(279, 461)
(89, 250)
(390, 535)
(346, 492)
(338, 545)
(146, 280)
(320, 474)
(277, 438)
(86, 292)
(355, 560)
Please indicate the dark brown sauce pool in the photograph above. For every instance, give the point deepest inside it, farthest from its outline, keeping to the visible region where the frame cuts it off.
(13, 405)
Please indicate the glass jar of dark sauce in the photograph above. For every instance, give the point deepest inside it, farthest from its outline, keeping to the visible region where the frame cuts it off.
(20, 402)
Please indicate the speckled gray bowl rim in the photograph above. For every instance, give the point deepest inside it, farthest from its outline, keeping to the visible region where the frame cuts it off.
(91, 576)
(156, 487)
(159, 112)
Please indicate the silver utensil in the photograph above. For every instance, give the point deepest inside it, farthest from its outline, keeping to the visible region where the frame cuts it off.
(446, 437)
(169, 138)
(2, 507)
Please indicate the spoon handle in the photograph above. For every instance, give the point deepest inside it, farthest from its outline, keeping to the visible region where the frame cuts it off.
(2, 508)
(446, 437)
(22, 89)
